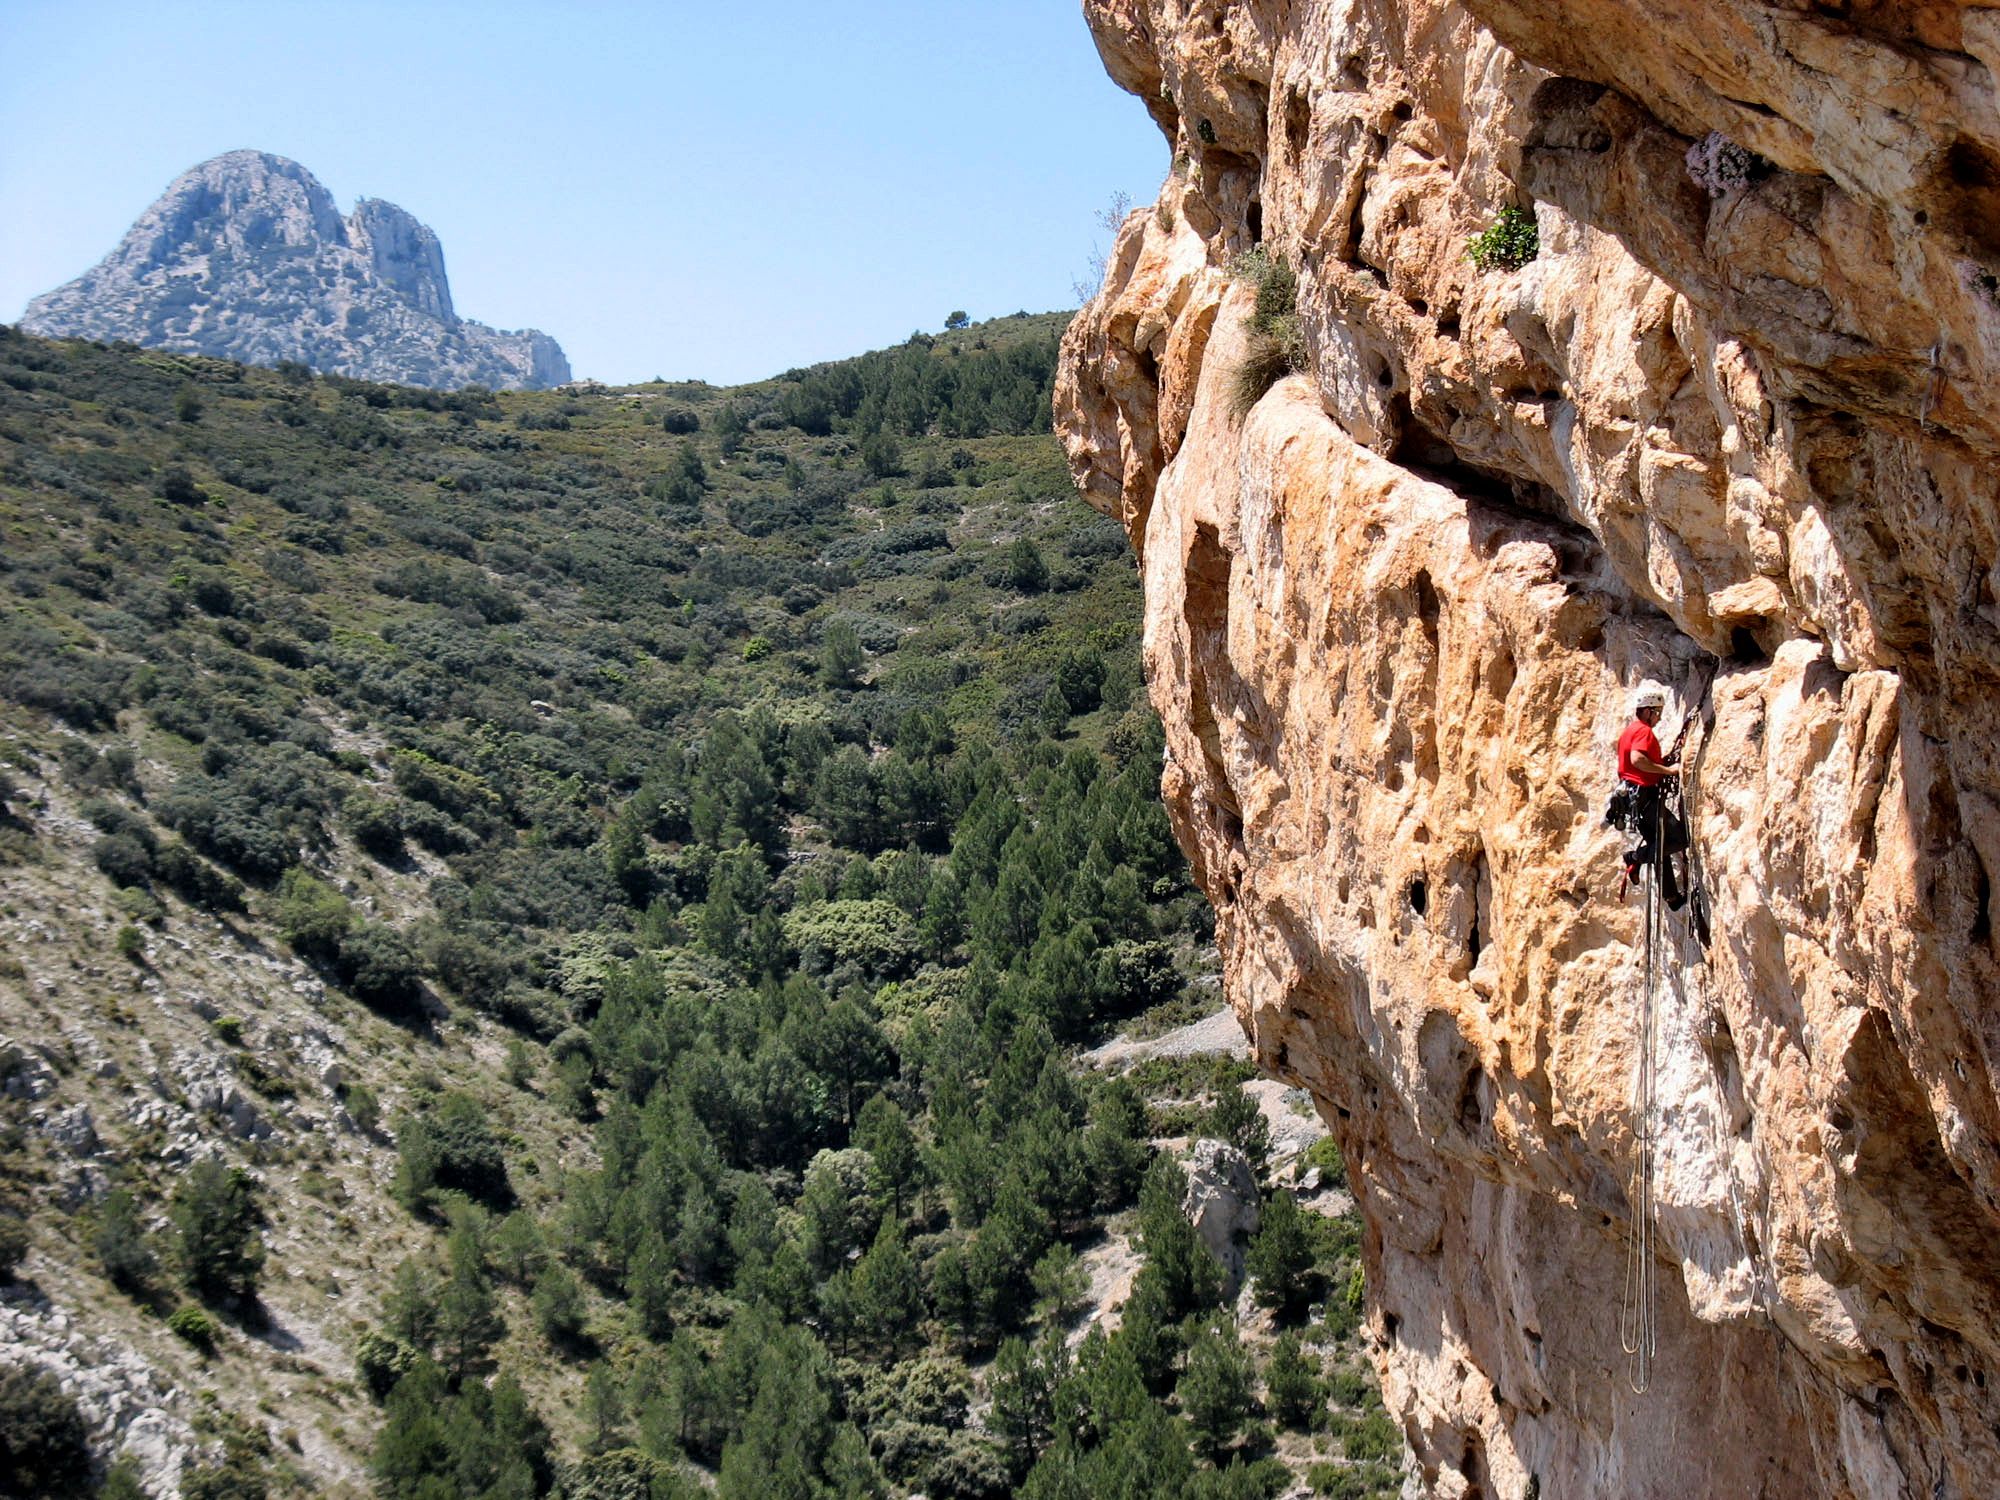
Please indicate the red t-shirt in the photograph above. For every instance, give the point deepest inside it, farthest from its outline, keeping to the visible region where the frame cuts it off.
(1638, 736)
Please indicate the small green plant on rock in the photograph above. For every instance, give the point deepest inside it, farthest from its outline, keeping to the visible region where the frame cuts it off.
(1507, 244)
(195, 1326)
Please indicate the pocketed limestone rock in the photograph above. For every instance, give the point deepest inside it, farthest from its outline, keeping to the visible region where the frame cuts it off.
(1734, 433)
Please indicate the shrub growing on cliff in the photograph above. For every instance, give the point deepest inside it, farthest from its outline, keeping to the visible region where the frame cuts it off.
(1276, 346)
(1507, 244)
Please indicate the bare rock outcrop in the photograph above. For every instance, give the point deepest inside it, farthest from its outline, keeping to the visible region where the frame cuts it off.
(1733, 431)
(1222, 1203)
(247, 257)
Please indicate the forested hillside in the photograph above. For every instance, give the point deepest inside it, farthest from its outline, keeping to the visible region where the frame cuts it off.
(546, 938)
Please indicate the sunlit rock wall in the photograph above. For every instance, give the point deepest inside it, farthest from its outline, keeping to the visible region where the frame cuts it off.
(1733, 432)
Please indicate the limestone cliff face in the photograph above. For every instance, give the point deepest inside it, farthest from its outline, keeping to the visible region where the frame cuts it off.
(246, 257)
(1733, 431)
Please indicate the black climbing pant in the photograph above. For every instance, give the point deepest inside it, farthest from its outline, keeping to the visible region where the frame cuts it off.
(1662, 833)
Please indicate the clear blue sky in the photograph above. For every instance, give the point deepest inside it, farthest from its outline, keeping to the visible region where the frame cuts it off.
(715, 190)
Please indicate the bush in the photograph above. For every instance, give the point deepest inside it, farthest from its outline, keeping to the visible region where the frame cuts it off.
(381, 969)
(624, 1474)
(680, 420)
(13, 1244)
(1276, 344)
(197, 881)
(1324, 1153)
(1371, 1437)
(875, 936)
(312, 916)
(121, 1243)
(375, 826)
(177, 487)
(1264, 364)
(240, 1476)
(131, 944)
(195, 1326)
(44, 1447)
(450, 1148)
(881, 455)
(123, 858)
(362, 1107)
(381, 1360)
(1507, 244)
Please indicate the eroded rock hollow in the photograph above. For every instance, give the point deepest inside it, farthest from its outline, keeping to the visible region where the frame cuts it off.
(1731, 431)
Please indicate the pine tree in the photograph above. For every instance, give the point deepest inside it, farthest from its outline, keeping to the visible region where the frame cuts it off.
(883, 1131)
(1291, 1384)
(1237, 1119)
(786, 1427)
(942, 927)
(1025, 568)
(888, 1292)
(1023, 1384)
(840, 655)
(558, 1304)
(1115, 1146)
(468, 1322)
(216, 1215)
(412, 1450)
(603, 1409)
(1281, 1256)
(650, 1286)
(518, 1249)
(1187, 1275)
(409, 1312)
(839, 1311)
(1214, 1390)
(1061, 1284)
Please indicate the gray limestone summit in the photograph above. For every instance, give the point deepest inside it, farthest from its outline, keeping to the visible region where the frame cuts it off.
(247, 257)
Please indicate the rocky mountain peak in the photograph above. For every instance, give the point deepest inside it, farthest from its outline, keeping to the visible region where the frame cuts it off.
(247, 257)
(406, 255)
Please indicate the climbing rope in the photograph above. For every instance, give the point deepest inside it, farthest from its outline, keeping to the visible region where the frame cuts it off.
(1638, 1324)
(1639, 1314)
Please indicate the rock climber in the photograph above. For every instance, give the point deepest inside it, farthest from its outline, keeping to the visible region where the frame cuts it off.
(1645, 776)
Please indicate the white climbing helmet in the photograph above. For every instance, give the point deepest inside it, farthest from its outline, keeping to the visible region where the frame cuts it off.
(1649, 697)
